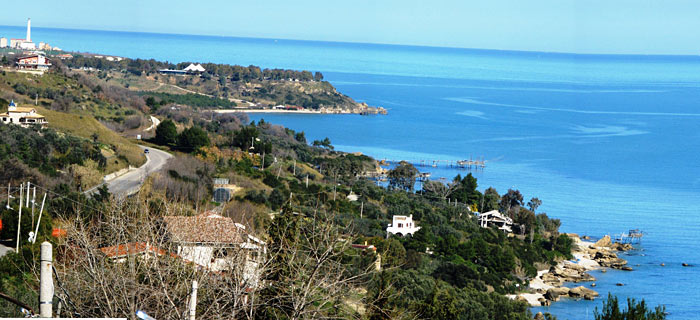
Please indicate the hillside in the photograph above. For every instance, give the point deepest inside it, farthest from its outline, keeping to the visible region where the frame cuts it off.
(239, 87)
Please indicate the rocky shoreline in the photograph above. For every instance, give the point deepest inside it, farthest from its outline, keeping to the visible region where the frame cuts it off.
(548, 286)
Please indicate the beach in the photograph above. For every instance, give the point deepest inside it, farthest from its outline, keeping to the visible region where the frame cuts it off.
(548, 285)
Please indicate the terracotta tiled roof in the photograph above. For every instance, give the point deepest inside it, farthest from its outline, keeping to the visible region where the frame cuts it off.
(206, 228)
(23, 109)
(132, 248)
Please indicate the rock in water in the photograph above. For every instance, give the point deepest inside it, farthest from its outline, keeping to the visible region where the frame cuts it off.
(583, 292)
(685, 264)
(603, 242)
(553, 294)
(539, 316)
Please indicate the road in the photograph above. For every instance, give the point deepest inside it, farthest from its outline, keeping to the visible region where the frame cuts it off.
(130, 182)
(154, 123)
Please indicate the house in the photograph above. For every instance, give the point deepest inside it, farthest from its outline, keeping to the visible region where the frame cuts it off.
(402, 225)
(37, 61)
(119, 253)
(23, 116)
(495, 218)
(216, 243)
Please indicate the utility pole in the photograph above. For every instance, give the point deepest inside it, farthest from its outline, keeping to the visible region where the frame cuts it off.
(19, 220)
(33, 204)
(295, 167)
(36, 232)
(362, 207)
(307, 185)
(8, 195)
(263, 162)
(28, 187)
(193, 300)
(46, 281)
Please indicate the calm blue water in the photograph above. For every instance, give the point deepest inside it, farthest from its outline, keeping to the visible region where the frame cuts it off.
(608, 143)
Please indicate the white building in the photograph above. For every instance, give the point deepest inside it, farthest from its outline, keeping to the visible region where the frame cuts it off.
(192, 68)
(402, 225)
(3, 42)
(23, 116)
(216, 243)
(495, 218)
(25, 43)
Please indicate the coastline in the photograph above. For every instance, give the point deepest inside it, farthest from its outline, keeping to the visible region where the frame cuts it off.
(548, 285)
(301, 111)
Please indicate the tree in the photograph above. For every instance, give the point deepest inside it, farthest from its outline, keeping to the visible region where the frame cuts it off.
(438, 189)
(166, 133)
(300, 136)
(325, 143)
(533, 204)
(191, 139)
(512, 199)
(318, 76)
(403, 176)
(245, 137)
(466, 189)
(491, 200)
(635, 310)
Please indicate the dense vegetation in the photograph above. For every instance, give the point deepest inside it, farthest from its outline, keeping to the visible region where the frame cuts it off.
(266, 87)
(636, 310)
(233, 72)
(44, 154)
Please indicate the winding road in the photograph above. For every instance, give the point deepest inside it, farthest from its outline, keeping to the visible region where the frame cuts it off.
(129, 183)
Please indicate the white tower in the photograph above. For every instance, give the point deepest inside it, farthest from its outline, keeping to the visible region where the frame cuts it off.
(29, 30)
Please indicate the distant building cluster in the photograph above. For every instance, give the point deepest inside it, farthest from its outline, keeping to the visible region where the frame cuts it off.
(26, 43)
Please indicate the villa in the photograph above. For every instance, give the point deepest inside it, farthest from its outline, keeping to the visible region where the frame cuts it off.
(402, 225)
(23, 116)
(36, 61)
(216, 243)
(495, 218)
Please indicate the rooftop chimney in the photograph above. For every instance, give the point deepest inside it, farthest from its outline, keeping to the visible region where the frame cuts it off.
(29, 30)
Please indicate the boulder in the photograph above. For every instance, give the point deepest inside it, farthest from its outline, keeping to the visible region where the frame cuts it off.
(603, 242)
(609, 259)
(621, 246)
(583, 292)
(626, 268)
(544, 302)
(554, 294)
(539, 316)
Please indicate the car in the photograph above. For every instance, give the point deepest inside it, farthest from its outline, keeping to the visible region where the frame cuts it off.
(145, 150)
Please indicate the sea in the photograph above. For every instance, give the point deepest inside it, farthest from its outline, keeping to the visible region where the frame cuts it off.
(607, 142)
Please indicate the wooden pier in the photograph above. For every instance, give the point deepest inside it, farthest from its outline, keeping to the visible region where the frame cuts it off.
(457, 164)
(633, 236)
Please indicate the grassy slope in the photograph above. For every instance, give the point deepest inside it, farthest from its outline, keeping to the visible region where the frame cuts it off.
(85, 126)
(80, 121)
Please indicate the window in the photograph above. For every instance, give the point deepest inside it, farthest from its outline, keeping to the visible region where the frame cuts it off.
(400, 225)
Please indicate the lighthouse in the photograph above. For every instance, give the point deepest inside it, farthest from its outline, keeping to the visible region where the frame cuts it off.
(29, 30)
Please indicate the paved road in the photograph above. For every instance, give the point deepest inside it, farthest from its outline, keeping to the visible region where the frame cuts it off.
(130, 183)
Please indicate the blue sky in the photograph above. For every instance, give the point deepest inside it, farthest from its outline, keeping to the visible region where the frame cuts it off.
(581, 26)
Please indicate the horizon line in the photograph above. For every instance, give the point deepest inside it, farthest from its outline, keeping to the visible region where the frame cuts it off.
(379, 43)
